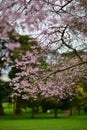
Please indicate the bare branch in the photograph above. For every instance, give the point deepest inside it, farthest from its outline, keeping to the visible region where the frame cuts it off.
(67, 45)
(61, 70)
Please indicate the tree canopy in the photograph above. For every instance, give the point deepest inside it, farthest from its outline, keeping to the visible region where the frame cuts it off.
(56, 25)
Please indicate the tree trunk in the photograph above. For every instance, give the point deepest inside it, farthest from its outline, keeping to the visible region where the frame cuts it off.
(71, 111)
(78, 110)
(33, 112)
(1, 109)
(37, 109)
(55, 112)
(44, 109)
(18, 108)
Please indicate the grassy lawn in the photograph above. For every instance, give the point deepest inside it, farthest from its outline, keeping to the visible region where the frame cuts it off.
(61, 123)
(42, 121)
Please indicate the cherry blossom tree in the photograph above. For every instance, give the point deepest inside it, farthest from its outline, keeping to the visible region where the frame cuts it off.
(55, 24)
(55, 82)
(59, 24)
(51, 20)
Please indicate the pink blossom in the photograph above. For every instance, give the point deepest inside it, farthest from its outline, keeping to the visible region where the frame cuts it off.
(12, 46)
(54, 20)
(66, 19)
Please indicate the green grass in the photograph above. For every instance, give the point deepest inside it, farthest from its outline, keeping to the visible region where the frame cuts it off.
(61, 123)
(42, 121)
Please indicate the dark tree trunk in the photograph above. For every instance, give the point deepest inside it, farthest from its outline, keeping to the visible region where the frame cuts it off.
(44, 109)
(1, 109)
(33, 112)
(71, 112)
(55, 112)
(37, 109)
(79, 109)
(18, 108)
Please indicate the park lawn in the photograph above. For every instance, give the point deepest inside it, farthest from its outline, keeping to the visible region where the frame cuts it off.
(60, 123)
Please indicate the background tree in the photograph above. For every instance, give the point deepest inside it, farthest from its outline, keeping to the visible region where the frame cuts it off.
(56, 81)
(5, 88)
(5, 91)
(53, 22)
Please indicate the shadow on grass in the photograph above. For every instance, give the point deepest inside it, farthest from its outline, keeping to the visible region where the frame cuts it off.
(27, 115)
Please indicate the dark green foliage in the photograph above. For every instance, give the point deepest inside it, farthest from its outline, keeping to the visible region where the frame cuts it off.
(85, 108)
(13, 71)
(43, 65)
(47, 104)
(5, 91)
(65, 104)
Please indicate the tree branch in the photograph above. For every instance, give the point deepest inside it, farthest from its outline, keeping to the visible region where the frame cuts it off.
(62, 39)
(61, 70)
